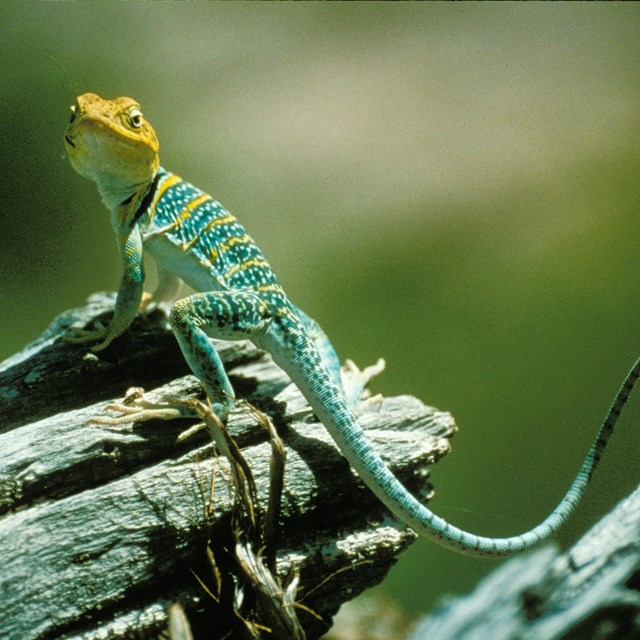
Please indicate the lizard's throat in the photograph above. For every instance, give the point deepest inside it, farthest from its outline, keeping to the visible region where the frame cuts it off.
(115, 192)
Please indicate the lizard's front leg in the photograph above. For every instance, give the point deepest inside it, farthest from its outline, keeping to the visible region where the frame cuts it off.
(129, 293)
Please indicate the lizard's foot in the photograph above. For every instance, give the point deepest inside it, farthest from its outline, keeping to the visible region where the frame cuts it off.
(78, 335)
(354, 382)
(134, 408)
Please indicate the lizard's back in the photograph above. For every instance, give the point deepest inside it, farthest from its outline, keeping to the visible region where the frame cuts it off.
(200, 240)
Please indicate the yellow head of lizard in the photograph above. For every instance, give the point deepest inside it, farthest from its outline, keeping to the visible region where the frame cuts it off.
(110, 142)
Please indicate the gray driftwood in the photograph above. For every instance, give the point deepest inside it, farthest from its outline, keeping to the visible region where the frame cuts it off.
(592, 591)
(103, 528)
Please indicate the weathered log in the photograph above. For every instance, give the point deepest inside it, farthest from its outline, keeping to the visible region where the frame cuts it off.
(102, 528)
(590, 591)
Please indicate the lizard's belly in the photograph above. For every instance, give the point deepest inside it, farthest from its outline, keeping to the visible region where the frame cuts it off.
(188, 266)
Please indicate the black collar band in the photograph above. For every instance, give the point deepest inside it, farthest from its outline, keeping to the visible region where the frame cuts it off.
(146, 201)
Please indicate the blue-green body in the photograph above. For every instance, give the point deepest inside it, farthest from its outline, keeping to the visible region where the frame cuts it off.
(193, 237)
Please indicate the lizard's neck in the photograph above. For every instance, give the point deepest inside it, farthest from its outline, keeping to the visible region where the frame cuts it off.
(134, 207)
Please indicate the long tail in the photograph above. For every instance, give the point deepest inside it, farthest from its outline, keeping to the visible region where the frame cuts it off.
(307, 371)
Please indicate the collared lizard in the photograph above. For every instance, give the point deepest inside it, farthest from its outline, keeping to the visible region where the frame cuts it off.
(193, 238)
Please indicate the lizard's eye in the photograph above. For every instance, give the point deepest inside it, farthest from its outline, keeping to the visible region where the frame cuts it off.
(135, 118)
(72, 114)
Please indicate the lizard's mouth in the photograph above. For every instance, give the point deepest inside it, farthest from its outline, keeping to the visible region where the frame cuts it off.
(69, 141)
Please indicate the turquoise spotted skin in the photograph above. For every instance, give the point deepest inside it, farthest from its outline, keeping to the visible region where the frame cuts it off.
(193, 238)
(203, 228)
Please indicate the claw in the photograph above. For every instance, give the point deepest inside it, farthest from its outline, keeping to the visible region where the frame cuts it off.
(351, 371)
(191, 431)
(133, 394)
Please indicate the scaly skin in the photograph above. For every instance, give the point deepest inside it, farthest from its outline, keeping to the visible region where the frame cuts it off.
(193, 238)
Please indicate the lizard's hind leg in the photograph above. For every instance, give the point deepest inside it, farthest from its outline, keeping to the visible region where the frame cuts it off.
(229, 315)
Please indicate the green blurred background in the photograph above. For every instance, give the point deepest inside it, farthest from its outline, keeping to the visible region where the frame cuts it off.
(453, 187)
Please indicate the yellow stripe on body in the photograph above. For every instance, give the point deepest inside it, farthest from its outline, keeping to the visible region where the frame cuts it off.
(196, 202)
(269, 288)
(214, 223)
(186, 213)
(218, 221)
(230, 242)
(247, 264)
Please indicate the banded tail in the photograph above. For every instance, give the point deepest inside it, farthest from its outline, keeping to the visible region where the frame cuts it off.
(309, 374)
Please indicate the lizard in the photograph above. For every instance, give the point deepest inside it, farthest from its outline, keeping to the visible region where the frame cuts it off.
(193, 238)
